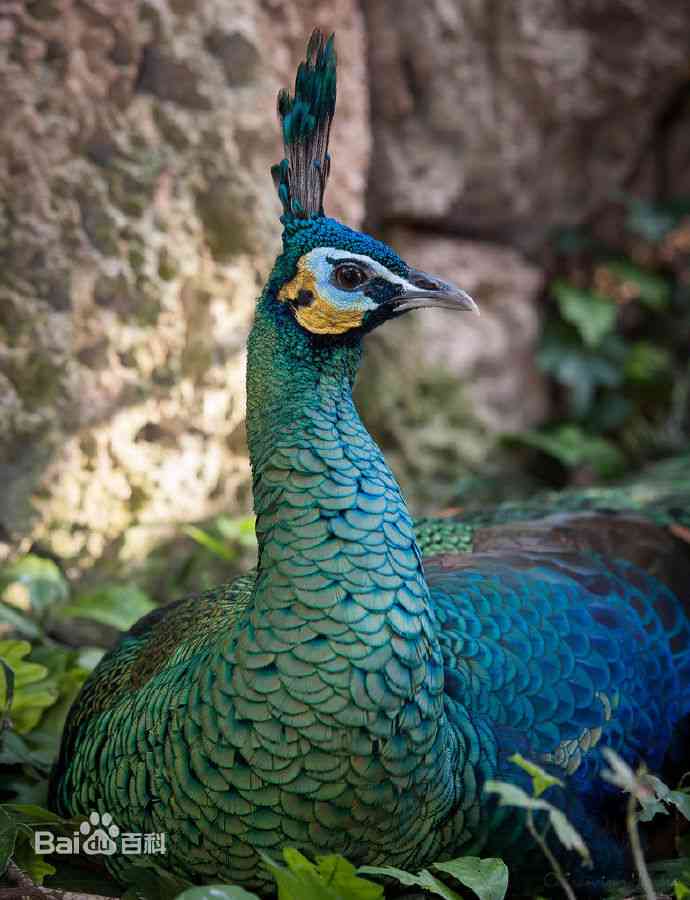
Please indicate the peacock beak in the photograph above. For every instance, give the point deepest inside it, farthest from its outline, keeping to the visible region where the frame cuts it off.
(427, 291)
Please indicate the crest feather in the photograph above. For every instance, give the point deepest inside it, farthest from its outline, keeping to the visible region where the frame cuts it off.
(305, 118)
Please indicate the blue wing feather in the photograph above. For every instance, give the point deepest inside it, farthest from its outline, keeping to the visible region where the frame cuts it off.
(563, 655)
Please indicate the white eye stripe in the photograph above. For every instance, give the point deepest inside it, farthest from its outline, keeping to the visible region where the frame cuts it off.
(319, 264)
(321, 261)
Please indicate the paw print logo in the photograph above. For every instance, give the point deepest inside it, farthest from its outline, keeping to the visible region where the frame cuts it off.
(100, 832)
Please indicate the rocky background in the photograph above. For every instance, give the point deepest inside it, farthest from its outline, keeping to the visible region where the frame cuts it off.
(138, 222)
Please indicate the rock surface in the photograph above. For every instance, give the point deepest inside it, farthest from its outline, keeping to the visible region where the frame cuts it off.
(503, 120)
(437, 385)
(138, 223)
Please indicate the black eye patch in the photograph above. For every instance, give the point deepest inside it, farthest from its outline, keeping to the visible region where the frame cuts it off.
(380, 291)
(303, 298)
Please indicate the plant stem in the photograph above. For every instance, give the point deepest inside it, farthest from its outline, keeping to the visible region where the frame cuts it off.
(636, 847)
(553, 862)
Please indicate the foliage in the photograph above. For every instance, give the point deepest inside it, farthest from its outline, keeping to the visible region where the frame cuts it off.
(555, 819)
(651, 794)
(512, 795)
(40, 674)
(487, 878)
(328, 878)
(614, 342)
(51, 636)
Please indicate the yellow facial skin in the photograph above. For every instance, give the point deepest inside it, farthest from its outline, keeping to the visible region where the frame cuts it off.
(319, 316)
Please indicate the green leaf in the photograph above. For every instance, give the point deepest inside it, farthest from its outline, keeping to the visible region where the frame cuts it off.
(488, 878)
(649, 221)
(43, 580)
(25, 786)
(38, 816)
(30, 862)
(680, 890)
(541, 780)
(569, 836)
(215, 546)
(511, 795)
(69, 682)
(119, 606)
(341, 876)
(681, 801)
(574, 447)
(146, 879)
(579, 368)
(8, 837)
(89, 657)
(217, 892)
(18, 622)
(330, 878)
(33, 690)
(661, 796)
(14, 750)
(652, 290)
(241, 530)
(593, 315)
(647, 363)
(7, 695)
(423, 880)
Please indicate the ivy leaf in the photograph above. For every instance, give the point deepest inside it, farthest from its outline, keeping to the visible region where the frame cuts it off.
(8, 837)
(488, 878)
(652, 290)
(622, 776)
(649, 221)
(7, 691)
(241, 530)
(17, 622)
(217, 892)
(211, 543)
(647, 363)
(14, 751)
(573, 447)
(34, 816)
(423, 879)
(342, 876)
(30, 862)
(593, 315)
(661, 797)
(330, 878)
(146, 879)
(541, 780)
(511, 795)
(42, 579)
(119, 606)
(680, 890)
(579, 368)
(34, 691)
(569, 836)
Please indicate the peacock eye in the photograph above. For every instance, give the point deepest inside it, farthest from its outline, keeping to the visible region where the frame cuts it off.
(348, 277)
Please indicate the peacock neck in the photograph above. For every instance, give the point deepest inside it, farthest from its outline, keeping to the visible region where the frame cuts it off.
(340, 610)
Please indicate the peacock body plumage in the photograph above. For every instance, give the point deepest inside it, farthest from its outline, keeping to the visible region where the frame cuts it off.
(348, 696)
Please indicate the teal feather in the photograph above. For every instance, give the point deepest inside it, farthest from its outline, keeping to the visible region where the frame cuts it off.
(306, 119)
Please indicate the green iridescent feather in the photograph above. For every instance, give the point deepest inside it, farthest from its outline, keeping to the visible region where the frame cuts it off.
(354, 693)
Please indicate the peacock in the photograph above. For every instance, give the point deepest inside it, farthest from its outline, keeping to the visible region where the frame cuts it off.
(357, 690)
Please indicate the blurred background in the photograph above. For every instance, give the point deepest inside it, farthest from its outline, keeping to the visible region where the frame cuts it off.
(535, 152)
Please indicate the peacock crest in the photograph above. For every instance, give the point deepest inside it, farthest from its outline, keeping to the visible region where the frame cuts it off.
(305, 119)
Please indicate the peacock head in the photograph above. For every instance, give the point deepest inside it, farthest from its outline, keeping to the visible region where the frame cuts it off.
(332, 280)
